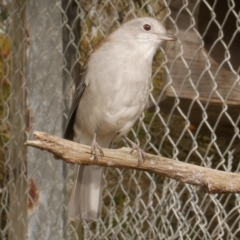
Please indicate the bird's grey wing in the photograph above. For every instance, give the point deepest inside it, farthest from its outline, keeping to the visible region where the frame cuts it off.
(80, 87)
(86, 197)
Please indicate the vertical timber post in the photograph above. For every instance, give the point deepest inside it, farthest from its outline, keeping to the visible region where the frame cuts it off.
(17, 151)
(47, 204)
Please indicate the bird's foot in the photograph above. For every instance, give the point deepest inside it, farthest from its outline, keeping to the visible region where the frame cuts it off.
(140, 152)
(96, 150)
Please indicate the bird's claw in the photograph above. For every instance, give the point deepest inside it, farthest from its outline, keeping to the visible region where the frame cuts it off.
(96, 150)
(140, 152)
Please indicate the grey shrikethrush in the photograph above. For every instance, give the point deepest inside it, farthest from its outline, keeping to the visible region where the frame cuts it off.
(109, 97)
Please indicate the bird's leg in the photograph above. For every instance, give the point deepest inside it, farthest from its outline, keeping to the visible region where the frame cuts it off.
(140, 152)
(95, 149)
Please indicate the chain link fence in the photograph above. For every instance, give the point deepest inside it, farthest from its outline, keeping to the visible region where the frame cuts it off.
(193, 115)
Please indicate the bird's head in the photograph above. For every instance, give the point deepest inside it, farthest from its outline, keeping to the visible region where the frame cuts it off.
(145, 32)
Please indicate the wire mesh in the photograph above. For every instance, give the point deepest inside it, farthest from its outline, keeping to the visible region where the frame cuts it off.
(192, 116)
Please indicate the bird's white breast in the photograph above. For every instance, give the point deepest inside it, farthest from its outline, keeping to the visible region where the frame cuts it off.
(118, 88)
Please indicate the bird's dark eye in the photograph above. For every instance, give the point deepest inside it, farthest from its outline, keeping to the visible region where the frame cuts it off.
(146, 27)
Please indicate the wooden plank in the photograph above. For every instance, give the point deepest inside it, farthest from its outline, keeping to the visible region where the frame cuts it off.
(217, 115)
(193, 72)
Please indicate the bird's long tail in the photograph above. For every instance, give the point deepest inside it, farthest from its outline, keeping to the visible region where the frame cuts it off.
(86, 198)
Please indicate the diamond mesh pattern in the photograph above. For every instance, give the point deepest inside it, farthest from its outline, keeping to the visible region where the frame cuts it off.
(192, 116)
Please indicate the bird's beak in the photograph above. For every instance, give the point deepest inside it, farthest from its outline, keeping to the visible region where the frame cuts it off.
(168, 37)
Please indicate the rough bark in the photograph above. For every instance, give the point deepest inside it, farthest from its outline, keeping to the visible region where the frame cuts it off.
(213, 181)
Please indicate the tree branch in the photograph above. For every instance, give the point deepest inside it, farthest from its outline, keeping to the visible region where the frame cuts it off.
(213, 181)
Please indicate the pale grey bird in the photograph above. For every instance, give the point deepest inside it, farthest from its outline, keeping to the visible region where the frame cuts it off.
(110, 96)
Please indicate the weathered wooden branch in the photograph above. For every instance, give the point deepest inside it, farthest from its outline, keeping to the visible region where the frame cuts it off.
(213, 181)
